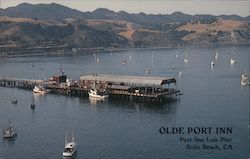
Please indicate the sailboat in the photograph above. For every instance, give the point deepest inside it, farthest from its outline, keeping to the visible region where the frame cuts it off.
(232, 61)
(186, 58)
(14, 100)
(216, 55)
(70, 146)
(10, 131)
(32, 105)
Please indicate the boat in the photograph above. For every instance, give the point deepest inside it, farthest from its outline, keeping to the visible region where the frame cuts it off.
(244, 80)
(124, 62)
(180, 74)
(97, 94)
(14, 100)
(216, 55)
(186, 60)
(186, 57)
(232, 61)
(32, 105)
(148, 71)
(10, 131)
(212, 64)
(70, 147)
(39, 89)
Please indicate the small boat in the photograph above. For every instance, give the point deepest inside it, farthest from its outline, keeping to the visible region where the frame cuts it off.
(14, 100)
(148, 71)
(216, 55)
(180, 74)
(232, 61)
(39, 89)
(244, 80)
(10, 131)
(70, 147)
(32, 106)
(124, 62)
(96, 94)
(186, 60)
(212, 64)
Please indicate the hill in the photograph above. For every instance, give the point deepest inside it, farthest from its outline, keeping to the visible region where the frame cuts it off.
(49, 27)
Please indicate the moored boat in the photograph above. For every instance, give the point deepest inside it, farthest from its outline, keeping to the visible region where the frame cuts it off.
(10, 131)
(244, 80)
(232, 61)
(14, 100)
(97, 94)
(39, 89)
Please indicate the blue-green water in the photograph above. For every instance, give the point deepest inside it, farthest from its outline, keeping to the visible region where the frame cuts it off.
(121, 130)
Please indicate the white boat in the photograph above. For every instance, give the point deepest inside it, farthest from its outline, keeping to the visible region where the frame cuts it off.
(10, 131)
(96, 94)
(212, 64)
(148, 71)
(39, 89)
(244, 80)
(232, 61)
(124, 62)
(216, 55)
(186, 60)
(70, 147)
(186, 57)
(180, 74)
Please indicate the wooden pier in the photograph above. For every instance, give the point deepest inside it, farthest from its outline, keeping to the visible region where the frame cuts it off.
(132, 88)
(20, 83)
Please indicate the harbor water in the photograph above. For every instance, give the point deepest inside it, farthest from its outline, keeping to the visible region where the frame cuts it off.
(212, 97)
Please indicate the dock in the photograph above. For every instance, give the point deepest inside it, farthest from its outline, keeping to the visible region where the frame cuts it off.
(118, 87)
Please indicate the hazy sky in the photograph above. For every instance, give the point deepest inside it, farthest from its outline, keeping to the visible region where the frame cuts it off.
(215, 7)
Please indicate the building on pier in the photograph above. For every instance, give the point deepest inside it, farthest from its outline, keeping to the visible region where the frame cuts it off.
(136, 87)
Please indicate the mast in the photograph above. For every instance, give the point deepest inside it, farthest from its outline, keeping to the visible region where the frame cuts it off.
(73, 138)
(65, 138)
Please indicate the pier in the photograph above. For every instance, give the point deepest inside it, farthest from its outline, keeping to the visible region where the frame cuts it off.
(118, 87)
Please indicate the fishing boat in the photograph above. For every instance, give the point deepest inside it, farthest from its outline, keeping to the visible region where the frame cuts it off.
(94, 93)
(244, 80)
(39, 89)
(10, 131)
(70, 146)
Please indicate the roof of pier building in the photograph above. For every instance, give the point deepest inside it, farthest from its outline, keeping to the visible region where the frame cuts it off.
(129, 80)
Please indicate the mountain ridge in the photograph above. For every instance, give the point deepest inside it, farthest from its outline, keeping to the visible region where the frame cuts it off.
(56, 11)
(32, 28)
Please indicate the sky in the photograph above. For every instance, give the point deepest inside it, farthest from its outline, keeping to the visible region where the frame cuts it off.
(214, 7)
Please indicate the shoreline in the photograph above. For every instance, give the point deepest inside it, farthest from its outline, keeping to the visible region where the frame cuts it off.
(69, 52)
